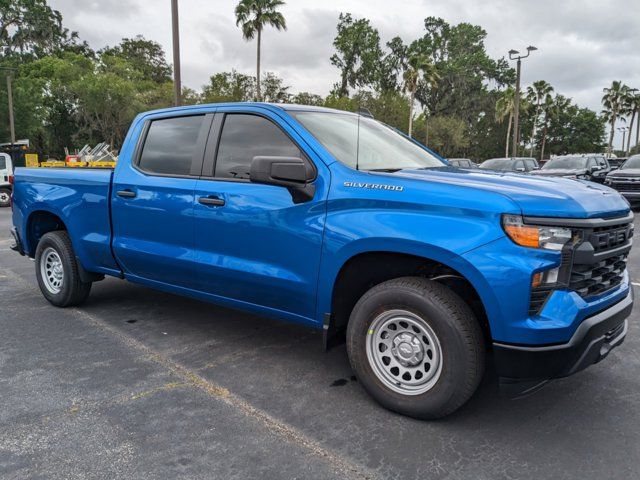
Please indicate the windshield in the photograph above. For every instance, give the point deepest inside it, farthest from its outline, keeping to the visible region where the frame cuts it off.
(633, 162)
(374, 147)
(497, 164)
(566, 163)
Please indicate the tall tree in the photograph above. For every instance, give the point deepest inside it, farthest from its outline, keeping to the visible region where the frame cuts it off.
(505, 108)
(31, 27)
(419, 67)
(144, 55)
(357, 54)
(253, 16)
(536, 93)
(613, 103)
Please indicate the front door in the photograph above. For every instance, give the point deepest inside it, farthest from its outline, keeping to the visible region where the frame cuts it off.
(254, 243)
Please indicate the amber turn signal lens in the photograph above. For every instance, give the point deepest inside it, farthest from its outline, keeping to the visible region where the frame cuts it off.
(523, 235)
(536, 280)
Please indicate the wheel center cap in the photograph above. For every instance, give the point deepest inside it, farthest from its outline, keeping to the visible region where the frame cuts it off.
(407, 349)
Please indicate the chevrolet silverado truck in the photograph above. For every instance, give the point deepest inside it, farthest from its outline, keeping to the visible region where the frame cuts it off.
(336, 221)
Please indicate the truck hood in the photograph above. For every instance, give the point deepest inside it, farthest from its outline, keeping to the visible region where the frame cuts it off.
(625, 173)
(536, 195)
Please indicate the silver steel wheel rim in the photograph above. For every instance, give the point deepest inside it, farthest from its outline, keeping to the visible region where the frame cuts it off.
(404, 352)
(51, 270)
(4, 197)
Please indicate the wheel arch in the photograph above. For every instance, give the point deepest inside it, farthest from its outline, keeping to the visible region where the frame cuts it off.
(40, 222)
(362, 270)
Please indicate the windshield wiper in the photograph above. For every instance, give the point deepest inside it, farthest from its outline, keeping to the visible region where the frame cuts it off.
(386, 170)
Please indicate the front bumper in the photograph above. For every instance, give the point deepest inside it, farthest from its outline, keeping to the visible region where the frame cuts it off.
(595, 337)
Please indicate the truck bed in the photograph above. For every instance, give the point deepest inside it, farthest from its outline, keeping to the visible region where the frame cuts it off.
(80, 198)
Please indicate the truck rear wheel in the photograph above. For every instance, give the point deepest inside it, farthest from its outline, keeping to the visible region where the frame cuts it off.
(57, 271)
(416, 347)
(5, 197)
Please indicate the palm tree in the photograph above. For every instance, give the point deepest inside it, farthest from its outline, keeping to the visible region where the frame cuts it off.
(505, 107)
(418, 65)
(537, 93)
(252, 16)
(612, 100)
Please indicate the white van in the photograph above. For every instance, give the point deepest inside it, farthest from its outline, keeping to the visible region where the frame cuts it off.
(6, 170)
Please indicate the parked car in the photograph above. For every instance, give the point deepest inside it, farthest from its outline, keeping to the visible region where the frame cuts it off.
(6, 172)
(514, 164)
(462, 163)
(338, 222)
(616, 162)
(592, 168)
(626, 180)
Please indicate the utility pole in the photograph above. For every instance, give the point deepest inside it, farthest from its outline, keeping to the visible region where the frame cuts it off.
(514, 55)
(12, 127)
(177, 84)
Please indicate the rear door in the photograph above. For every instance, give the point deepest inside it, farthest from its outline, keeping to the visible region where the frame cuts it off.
(254, 243)
(152, 200)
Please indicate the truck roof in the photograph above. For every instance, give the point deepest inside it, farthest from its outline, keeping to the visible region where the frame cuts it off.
(273, 106)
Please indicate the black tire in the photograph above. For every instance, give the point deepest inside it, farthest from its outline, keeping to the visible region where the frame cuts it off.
(5, 197)
(72, 291)
(456, 328)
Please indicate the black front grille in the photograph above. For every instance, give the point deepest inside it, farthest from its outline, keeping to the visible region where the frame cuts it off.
(594, 263)
(626, 186)
(606, 238)
(590, 280)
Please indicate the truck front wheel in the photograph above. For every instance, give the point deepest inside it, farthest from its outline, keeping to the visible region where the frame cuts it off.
(57, 271)
(416, 347)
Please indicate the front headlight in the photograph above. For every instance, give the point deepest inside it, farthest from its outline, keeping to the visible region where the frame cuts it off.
(583, 177)
(535, 236)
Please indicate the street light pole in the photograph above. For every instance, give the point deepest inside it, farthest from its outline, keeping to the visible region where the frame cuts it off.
(177, 87)
(624, 135)
(514, 55)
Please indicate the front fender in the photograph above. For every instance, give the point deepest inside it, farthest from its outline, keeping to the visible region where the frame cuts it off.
(331, 267)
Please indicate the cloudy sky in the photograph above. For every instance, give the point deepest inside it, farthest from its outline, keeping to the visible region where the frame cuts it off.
(583, 44)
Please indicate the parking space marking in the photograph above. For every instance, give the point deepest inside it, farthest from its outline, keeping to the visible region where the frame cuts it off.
(342, 465)
(637, 284)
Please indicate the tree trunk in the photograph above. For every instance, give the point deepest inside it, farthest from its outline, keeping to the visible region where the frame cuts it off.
(544, 139)
(611, 133)
(258, 94)
(633, 117)
(411, 99)
(637, 130)
(533, 129)
(506, 148)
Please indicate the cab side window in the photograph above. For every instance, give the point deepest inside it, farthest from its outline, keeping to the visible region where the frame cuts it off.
(591, 162)
(170, 145)
(247, 136)
(519, 166)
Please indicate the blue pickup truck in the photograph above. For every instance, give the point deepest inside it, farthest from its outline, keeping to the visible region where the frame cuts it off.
(336, 221)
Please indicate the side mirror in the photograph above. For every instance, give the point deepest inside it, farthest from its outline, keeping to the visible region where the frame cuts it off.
(290, 172)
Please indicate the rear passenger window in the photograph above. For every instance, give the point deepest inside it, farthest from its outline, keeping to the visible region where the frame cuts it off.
(247, 136)
(170, 145)
(3, 163)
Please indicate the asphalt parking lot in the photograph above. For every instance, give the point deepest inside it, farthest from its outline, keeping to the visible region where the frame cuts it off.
(142, 384)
